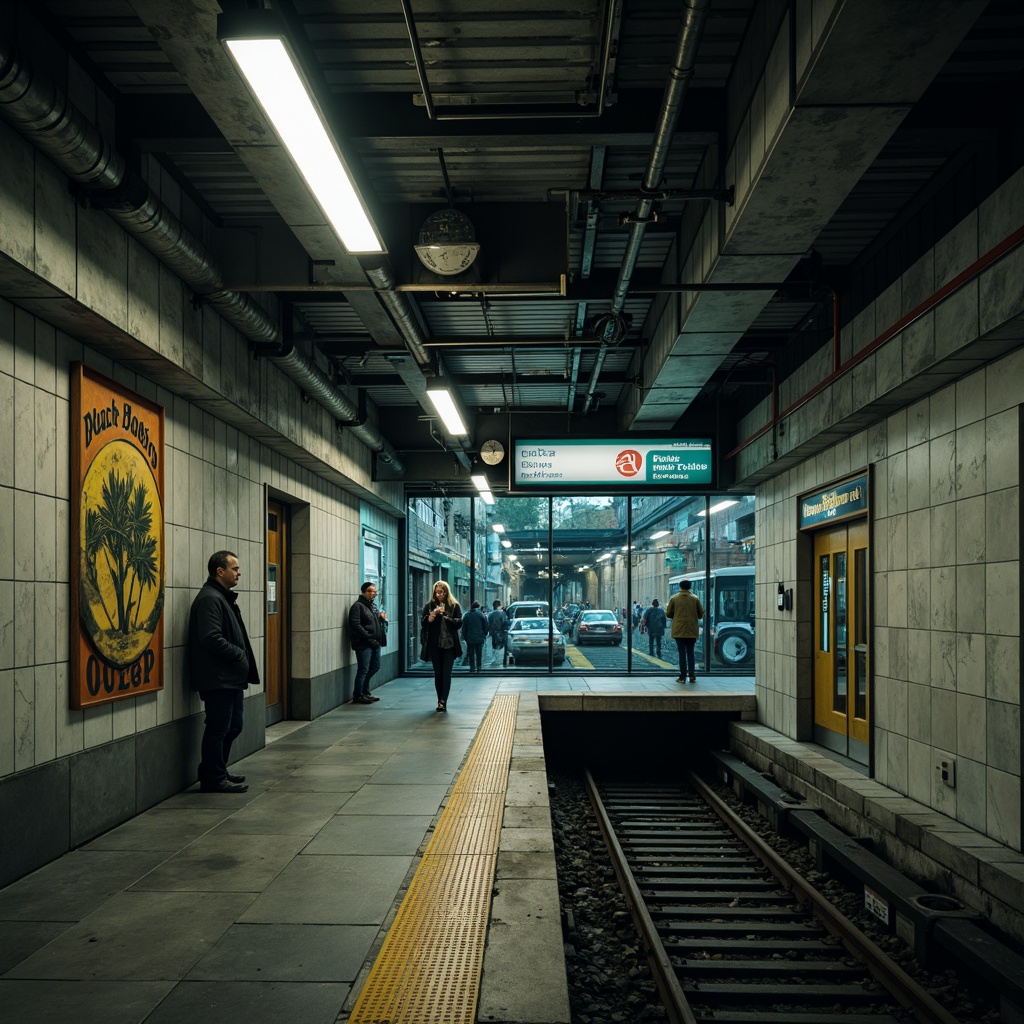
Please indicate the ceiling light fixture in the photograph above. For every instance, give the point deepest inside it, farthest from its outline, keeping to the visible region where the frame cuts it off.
(258, 43)
(657, 535)
(445, 406)
(718, 507)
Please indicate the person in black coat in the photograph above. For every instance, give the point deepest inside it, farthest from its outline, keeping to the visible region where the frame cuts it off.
(474, 632)
(653, 624)
(442, 620)
(497, 626)
(221, 666)
(368, 633)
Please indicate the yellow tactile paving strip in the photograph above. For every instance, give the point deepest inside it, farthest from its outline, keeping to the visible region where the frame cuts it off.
(428, 969)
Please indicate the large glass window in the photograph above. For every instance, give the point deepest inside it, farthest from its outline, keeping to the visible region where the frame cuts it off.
(591, 575)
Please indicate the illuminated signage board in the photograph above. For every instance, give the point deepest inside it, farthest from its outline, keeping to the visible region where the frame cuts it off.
(662, 462)
(844, 500)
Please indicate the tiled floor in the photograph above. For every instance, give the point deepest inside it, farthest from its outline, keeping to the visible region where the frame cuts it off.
(260, 907)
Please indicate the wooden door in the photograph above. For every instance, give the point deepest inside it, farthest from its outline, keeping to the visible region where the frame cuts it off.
(276, 683)
(841, 631)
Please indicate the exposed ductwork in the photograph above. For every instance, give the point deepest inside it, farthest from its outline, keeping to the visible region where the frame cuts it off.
(683, 63)
(401, 311)
(43, 114)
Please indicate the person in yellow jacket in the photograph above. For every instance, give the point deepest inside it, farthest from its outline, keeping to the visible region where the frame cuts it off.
(685, 611)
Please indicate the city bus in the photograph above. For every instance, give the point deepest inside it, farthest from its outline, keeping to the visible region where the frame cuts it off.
(728, 615)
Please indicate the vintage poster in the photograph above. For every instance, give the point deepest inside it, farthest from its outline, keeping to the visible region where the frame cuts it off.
(117, 541)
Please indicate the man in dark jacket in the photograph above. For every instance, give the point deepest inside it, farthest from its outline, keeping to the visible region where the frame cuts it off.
(368, 633)
(497, 626)
(221, 665)
(653, 625)
(474, 632)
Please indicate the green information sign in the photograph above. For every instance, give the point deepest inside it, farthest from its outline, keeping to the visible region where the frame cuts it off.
(669, 462)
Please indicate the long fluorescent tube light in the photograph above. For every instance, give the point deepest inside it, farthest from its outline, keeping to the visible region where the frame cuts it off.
(719, 506)
(445, 406)
(659, 534)
(480, 482)
(487, 497)
(497, 528)
(273, 77)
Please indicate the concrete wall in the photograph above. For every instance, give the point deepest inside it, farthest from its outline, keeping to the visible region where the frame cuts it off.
(941, 431)
(74, 286)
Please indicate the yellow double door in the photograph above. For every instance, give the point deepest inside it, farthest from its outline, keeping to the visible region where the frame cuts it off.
(841, 640)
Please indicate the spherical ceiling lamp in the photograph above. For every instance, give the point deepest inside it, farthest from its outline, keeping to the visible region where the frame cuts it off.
(447, 243)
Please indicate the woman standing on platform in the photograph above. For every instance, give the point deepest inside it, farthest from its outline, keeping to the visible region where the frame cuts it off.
(442, 620)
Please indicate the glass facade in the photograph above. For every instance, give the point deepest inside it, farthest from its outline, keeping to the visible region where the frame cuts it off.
(588, 576)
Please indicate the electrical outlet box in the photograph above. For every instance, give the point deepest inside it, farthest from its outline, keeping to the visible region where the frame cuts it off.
(947, 772)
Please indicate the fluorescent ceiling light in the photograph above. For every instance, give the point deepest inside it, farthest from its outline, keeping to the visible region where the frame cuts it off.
(497, 528)
(445, 406)
(274, 79)
(607, 554)
(487, 497)
(719, 506)
(480, 482)
(659, 534)
(506, 543)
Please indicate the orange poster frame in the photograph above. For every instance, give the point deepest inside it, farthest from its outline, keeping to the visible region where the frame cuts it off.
(118, 554)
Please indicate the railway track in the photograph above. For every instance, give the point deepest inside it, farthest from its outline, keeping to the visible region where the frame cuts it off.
(733, 934)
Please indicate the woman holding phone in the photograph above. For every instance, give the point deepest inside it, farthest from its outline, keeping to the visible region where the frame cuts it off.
(442, 620)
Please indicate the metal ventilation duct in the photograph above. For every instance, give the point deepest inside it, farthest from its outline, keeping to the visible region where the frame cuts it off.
(43, 114)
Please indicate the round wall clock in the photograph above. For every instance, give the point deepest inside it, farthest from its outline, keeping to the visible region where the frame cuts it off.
(492, 452)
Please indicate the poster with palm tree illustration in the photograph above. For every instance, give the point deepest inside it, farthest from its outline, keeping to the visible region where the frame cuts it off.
(119, 586)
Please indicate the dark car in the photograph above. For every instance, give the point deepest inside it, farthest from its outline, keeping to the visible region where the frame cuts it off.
(526, 609)
(597, 626)
(530, 639)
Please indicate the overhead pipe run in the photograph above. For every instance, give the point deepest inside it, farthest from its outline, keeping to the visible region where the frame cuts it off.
(687, 44)
(401, 311)
(997, 252)
(319, 386)
(404, 315)
(46, 117)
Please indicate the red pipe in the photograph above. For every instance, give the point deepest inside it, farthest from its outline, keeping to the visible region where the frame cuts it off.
(982, 263)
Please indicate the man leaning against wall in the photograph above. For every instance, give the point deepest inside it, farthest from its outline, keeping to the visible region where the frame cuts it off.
(221, 666)
(368, 633)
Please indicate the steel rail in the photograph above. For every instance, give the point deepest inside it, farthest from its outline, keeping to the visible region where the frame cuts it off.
(888, 973)
(677, 1007)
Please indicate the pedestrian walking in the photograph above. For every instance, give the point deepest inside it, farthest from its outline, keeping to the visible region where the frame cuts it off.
(497, 626)
(474, 632)
(442, 617)
(221, 666)
(653, 625)
(368, 633)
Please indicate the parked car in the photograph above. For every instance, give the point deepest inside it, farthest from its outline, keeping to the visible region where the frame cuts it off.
(597, 626)
(527, 609)
(529, 640)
